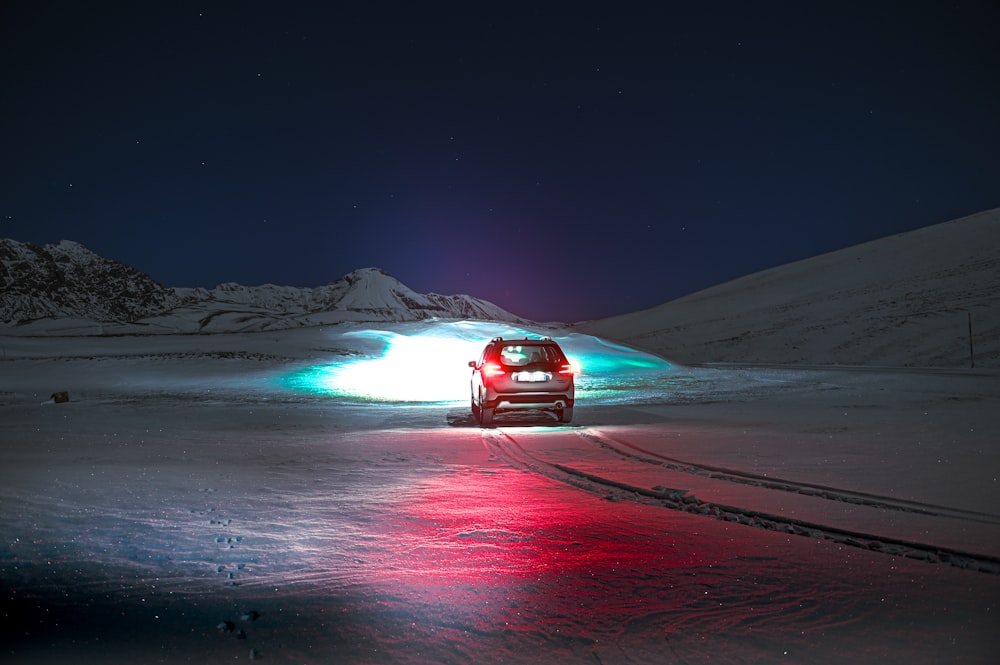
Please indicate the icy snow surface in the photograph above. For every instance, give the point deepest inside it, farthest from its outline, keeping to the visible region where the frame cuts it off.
(323, 495)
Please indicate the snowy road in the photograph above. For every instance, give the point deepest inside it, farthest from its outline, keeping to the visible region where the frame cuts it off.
(178, 511)
(618, 466)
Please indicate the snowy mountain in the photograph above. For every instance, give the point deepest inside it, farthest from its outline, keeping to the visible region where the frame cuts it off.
(68, 280)
(369, 294)
(68, 289)
(904, 300)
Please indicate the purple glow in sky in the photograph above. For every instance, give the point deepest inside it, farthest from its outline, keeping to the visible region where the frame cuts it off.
(652, 150)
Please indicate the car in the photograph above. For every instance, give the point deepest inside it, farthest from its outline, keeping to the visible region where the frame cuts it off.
(522, 374)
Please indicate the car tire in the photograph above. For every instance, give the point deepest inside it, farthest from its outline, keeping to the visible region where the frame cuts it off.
(475, 408)
(566, 415)
(486, 417)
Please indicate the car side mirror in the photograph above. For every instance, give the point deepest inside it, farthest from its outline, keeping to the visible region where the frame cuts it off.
(472, 364)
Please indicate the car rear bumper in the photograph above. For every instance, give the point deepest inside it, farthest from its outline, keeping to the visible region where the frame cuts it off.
(515, 402)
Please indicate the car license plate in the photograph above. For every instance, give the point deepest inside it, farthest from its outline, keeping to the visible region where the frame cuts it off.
(532, 376)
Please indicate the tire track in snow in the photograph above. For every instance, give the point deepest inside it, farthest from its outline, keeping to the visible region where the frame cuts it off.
(769, 482)
(508, 449)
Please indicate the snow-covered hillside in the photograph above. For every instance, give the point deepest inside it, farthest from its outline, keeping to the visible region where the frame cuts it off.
(904, 300)
(369, 294)
(67, 289)
(69, 281)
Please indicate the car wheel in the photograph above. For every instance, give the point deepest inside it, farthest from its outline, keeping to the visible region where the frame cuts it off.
(566, 415)
(486, 417)
(475, 408)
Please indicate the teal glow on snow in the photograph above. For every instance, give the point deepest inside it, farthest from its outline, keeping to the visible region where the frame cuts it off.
(430, 363)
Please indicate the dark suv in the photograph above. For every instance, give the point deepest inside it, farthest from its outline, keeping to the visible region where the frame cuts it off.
(521, 374)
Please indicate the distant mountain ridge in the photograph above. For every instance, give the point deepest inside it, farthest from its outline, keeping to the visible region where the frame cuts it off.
(69, 289)
(903, 301)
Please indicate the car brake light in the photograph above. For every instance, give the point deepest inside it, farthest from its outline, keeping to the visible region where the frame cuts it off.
(492, 369)
(567, 369)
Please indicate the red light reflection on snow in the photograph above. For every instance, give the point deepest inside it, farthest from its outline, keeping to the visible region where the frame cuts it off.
(493, 523)
(486, 552)
(457, 553)
(513, 550)
(467, 553)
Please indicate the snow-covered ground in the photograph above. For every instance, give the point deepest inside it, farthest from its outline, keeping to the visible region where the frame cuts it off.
(323, 495)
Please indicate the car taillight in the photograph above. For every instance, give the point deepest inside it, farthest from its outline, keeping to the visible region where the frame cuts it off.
(492, 369)
(567, 369)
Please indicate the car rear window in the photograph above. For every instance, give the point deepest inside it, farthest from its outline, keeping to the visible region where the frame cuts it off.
(517, 355)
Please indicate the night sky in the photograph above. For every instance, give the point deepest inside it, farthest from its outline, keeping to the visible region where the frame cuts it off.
(565, 161)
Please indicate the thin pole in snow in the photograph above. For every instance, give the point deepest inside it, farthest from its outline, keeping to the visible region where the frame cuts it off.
(972, 357)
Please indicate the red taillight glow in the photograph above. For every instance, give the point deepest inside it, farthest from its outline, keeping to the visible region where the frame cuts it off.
(492, 369)
(567, 369)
